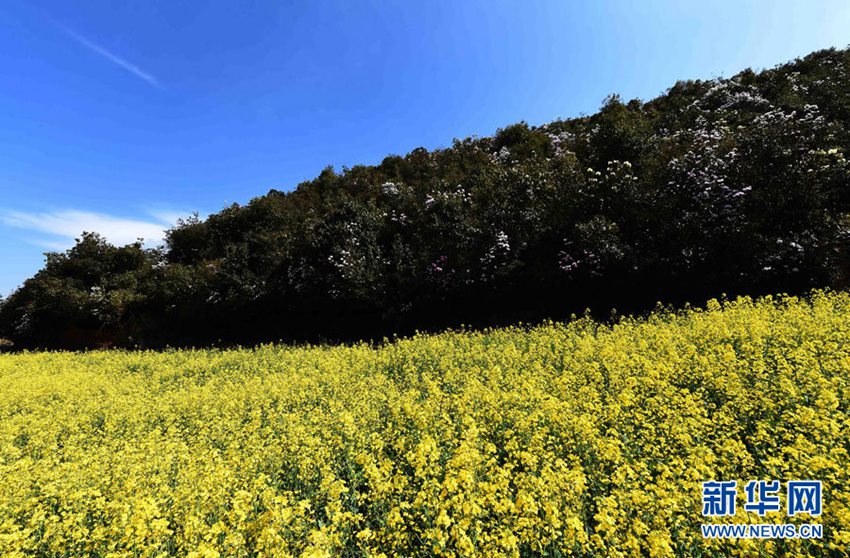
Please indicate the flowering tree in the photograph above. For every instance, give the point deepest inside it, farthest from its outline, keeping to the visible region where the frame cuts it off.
(733, 186)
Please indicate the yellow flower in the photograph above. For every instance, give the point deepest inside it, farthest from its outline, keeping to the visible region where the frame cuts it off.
(581, 438)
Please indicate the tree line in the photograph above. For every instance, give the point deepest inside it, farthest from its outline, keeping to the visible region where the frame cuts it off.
(735, 186)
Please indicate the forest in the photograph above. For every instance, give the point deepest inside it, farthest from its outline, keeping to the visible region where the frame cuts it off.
(725, 186)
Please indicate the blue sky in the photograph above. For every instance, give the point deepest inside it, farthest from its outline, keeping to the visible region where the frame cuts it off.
(122, 116)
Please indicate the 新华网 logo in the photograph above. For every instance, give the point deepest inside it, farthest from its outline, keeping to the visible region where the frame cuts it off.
(720, 498)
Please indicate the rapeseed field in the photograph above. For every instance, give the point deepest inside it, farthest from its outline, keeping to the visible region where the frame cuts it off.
(575, 439)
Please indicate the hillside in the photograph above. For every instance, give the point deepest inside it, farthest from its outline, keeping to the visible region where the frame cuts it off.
(734, 186)
(563, 439)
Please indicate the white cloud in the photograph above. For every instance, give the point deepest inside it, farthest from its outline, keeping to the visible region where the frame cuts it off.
(51, 245)
(132, 68)
(62, 227)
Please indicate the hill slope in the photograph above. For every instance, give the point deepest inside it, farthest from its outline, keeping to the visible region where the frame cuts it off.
(736, 185)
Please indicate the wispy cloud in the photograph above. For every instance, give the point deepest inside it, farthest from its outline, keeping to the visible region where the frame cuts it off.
(132, 68)
(60, 228)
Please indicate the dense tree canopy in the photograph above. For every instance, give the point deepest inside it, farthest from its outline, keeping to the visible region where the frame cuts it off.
(736, 185)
